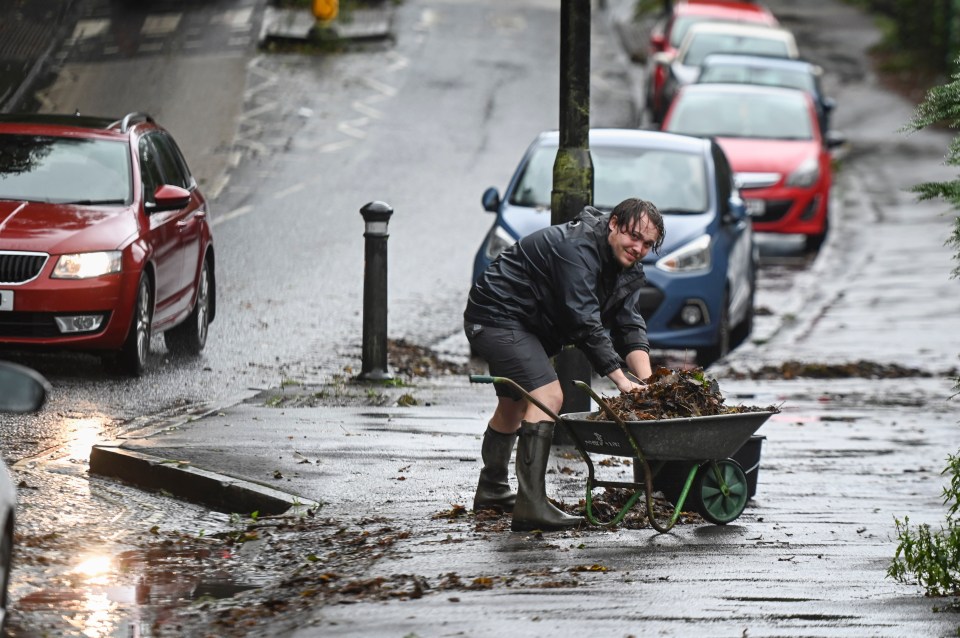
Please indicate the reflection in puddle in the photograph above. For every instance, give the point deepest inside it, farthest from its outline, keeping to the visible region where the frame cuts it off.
(130, 593)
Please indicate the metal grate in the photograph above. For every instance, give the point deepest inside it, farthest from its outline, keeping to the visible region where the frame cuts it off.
(20, 267)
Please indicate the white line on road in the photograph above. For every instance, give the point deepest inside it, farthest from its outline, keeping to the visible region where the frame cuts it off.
(237, 212)
(288, 191)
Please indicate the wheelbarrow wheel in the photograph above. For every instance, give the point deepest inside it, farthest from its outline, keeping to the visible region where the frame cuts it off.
(720, 491)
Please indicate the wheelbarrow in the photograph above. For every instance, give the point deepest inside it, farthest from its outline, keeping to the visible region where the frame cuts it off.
(715, 484)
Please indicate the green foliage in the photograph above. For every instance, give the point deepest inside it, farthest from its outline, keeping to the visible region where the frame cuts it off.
(932, 557)
(942, 106)
(924, 31)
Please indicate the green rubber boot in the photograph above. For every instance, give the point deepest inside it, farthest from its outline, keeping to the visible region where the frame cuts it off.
(493, 489)
(532, 510)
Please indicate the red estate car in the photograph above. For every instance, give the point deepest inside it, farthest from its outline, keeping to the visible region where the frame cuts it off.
(668, 33)
(104, 239)
(782, 161)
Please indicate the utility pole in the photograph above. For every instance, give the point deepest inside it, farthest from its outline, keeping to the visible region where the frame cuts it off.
(573, 168)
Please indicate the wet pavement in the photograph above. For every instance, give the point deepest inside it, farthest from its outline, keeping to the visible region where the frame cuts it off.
(808, 556)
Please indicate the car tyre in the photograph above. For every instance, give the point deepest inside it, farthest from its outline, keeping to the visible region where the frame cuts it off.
(743, 329)
(711, 354)
(813, 243)
(6, 565)
(132, 359)
(190, 337)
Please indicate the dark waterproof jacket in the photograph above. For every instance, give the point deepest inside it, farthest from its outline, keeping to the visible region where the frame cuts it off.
(563, 284)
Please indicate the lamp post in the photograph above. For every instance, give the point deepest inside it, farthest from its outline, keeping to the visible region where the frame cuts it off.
(573, 167)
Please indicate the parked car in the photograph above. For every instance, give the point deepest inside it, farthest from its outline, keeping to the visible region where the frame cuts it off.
(668, 33)
(104, 239)
(701, 286)
(772, 137)
(711, 37)
(21, 390)
(770, 71)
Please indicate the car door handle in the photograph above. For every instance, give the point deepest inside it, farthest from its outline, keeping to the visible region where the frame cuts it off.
(183, 223)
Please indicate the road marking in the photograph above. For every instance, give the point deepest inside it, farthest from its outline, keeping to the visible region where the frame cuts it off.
(288, 191)
(234, 18)
(235, 213)
(87, 29)
(161, 24)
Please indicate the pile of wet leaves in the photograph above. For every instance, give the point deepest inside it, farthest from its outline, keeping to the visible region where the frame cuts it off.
(674, 394)
(412, 360)
(861, 369)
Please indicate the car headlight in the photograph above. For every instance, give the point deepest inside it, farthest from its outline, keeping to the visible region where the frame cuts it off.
(806, 174)
(87, 265)
(692, 256)
(497, 241)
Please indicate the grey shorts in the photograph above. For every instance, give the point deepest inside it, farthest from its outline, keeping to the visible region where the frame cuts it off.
(514, 354)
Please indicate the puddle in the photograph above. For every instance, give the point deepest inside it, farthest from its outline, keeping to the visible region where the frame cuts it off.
(130, 594)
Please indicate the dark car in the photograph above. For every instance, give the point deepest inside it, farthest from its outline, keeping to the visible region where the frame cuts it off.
(104, 239)
(701, 286)
(770, 71)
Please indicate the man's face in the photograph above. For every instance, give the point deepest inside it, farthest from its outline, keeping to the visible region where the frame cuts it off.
(632, 244)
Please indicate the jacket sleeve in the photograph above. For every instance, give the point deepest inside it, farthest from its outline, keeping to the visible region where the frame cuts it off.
(577, 267)
(629, 331)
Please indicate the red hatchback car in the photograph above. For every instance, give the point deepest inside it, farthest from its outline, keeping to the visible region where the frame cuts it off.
(104, 239)
(771, 135)
(668, 33)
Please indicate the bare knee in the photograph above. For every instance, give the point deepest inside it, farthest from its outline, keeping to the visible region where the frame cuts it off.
(551, 396)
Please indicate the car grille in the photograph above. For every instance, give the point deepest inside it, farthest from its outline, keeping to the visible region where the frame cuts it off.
(36, 325)
(774, 211)
(20, 267)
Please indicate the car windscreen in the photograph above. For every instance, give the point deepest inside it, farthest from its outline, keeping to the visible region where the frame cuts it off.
(675, 182)
(64, 170)
(783, 116)
(745, 74)
(703, 44)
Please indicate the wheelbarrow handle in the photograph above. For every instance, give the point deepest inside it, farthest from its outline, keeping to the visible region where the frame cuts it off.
(485, 378)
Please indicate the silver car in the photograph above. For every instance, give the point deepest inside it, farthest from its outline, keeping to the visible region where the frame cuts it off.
(21, 390)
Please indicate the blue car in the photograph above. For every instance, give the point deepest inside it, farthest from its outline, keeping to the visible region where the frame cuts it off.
(701, 285)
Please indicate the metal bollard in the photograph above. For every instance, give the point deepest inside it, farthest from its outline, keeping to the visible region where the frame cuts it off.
(376, 216)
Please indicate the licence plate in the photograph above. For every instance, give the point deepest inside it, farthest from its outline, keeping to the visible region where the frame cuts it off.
(6, 300)
(756, 207)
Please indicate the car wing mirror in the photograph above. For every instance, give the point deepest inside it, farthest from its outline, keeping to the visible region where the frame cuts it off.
(663, 58)
(834, 139)
(734, 210)
(22, 389)
(828, 104)
(169, 197)
(491, 200)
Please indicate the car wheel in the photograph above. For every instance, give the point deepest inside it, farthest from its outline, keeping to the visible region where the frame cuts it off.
(132, 359)
(190, 337)
(709, 355)
(6, 564)
(745, 327)
(813, 243)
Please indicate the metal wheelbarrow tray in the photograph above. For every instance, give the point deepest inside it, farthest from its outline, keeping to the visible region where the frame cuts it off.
(716, 485)
(698, 438)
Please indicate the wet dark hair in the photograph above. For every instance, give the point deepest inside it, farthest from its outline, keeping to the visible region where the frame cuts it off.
(632, 210)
